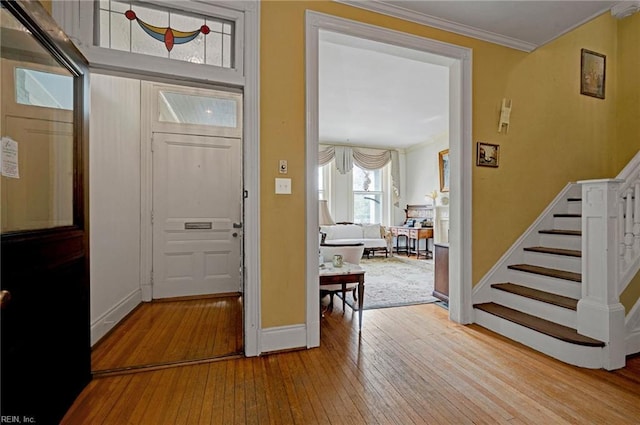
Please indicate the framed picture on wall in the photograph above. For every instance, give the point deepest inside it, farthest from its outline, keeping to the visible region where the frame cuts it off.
(592, 73)
(487, 155)
(443, 167)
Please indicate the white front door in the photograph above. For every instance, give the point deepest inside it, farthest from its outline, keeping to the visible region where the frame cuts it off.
(197, 215)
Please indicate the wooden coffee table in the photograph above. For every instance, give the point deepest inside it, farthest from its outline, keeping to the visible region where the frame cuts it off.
(348, 273)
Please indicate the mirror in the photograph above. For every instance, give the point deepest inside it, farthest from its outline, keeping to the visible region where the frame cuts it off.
(37, 133)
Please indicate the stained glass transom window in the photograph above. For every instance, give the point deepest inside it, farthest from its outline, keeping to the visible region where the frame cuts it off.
(166, 33)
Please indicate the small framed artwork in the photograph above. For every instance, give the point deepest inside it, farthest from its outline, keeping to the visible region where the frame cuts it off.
(443, 167)
(487, 155)
(592, 73)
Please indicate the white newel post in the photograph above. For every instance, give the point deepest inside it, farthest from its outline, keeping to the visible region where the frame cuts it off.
(600, 314)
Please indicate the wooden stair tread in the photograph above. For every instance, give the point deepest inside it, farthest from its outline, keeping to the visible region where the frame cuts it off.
(561, 232)
(560, 274)
(556, 251)
(546, 327)
(536, 294)
(568, 215)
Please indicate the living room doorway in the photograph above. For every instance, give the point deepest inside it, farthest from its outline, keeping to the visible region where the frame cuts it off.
(457, 60)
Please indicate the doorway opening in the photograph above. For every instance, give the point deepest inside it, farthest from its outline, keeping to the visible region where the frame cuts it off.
(186, 287)
(457, 61)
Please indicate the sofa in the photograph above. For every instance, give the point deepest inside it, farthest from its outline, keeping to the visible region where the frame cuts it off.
(375, 237)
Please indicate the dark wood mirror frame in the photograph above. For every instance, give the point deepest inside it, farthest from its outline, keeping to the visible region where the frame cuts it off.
(46, 352)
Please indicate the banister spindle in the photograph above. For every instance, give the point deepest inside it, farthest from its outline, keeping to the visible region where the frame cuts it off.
(620, 223)
(628, 224)
(636, 209)
(636, 216)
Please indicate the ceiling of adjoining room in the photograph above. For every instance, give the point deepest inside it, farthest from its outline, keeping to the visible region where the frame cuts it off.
(378, 95)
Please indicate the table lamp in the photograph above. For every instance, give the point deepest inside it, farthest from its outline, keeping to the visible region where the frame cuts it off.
(324, 216)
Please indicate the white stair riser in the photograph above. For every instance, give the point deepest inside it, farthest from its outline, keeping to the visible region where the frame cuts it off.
(553, 313)
(578, 355)
(548, 284)
(561, 262)
(561, 241)
(574, 207)
(567, 223)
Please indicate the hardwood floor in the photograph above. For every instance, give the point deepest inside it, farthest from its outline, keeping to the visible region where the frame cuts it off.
(410, 365)
(163, 332)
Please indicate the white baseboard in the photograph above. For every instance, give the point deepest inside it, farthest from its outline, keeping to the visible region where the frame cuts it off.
(283, 338)
(114, 315)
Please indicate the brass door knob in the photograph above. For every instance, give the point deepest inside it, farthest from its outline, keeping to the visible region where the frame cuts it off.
(5, 297)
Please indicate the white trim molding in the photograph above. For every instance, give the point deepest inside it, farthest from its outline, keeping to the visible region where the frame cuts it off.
(459, 61)
(76, 17)
(103, 324)
(251, 173)
(283, 338)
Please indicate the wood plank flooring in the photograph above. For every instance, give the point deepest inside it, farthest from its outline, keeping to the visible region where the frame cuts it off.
(410, 365)
(162, 332)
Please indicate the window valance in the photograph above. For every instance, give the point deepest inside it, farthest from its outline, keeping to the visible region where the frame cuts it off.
(365, 158)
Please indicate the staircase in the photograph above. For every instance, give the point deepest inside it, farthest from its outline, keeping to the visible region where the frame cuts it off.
(532, 295)
(558, 288)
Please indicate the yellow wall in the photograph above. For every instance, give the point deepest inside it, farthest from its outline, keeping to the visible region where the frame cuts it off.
(629, 91)
(556, 136)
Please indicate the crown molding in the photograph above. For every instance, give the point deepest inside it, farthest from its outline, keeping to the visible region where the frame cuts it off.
(443, 24)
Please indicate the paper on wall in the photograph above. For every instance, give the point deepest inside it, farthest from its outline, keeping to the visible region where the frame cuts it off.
(9, 155)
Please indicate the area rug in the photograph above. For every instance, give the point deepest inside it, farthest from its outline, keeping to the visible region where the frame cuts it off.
(394, 282)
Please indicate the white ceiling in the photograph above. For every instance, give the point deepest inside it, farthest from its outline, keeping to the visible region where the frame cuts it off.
(520, 24)
(379, 95)
(382, 96)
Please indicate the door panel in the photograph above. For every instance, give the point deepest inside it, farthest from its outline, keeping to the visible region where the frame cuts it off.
(197, 197)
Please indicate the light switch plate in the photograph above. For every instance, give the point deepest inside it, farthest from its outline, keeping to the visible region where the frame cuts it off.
(283, 186)
(283, 168)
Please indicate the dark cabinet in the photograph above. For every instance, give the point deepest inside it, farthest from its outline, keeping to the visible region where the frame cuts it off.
(441, 278)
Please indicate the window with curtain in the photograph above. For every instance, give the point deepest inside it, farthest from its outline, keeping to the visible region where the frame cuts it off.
(368, 194)
(362, 183)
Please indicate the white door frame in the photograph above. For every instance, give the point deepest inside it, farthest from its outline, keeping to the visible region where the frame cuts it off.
(147, 129)
(460, 153)
(76, 18)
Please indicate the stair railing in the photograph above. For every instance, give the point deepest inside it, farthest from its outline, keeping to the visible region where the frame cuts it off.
(610, 257)
(629, 222)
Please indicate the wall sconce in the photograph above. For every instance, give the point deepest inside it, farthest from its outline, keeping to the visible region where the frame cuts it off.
(505, 113)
